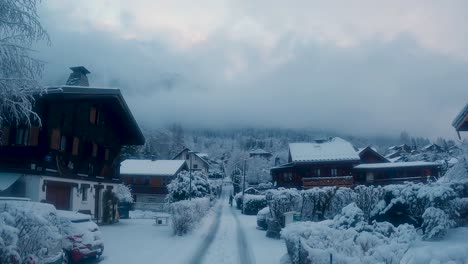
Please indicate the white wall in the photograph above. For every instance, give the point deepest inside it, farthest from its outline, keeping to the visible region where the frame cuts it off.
(196, 161)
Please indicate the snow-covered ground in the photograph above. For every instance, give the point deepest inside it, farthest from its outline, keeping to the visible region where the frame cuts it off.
(224, 236)
(452, 249)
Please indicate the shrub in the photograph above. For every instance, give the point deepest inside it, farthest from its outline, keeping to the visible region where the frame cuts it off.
(238, 197)
(179, 188)
(187, 214)
(435, 223)
(253, 203)
(283, 200)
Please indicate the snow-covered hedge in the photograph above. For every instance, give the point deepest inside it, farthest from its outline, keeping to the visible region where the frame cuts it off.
(348, 238)
(238, 198)
(187, 214)
(405, 203)
(253, 203)
(179, 188)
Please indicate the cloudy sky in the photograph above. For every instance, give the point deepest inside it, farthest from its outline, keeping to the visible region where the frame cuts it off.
(363, 67)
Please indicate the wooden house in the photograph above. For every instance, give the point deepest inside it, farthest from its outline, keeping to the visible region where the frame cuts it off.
(370, 155)
(321, 163)
(148, 179)
(198, 161)
(396, 172)
(75, 154)
(460, 123)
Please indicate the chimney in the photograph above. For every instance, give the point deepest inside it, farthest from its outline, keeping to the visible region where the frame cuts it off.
(78, 76)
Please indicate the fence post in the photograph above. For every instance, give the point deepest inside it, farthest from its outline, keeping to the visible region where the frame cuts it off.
(331, 258)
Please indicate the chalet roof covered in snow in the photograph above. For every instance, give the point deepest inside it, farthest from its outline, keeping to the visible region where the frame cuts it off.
(334, 149)
(460, 123)
(397, 165)
(151, 168)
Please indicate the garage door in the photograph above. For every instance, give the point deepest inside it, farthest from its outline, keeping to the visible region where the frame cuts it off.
(59, 195)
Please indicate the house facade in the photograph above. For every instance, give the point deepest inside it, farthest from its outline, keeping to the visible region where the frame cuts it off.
(321, 163)
(195, 160)
(148, 179)
(460, 123)
(74, 156)
(334, 162)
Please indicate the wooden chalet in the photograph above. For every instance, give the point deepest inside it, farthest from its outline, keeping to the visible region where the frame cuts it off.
(75, 154)
(370, 155)
(199, 161)
(396, 172)
(148, 179)
(260, 153)
(321, 163)
(335, 162)
(460, 123)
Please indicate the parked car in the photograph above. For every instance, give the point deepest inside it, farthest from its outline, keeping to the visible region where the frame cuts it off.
(82, 237)
(262, 217)
(32, 230)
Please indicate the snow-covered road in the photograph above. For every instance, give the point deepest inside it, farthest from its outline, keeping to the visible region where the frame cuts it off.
(224, 236)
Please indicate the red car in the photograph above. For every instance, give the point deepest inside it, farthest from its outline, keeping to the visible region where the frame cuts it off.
(82, 238)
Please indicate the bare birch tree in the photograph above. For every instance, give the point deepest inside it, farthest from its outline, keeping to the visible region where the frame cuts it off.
(20, 28)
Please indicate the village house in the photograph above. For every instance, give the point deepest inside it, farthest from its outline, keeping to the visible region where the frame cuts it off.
(148, 179)
(197, 161)
(326, 162)
(260, 153)
(460, 123)
(74, 156)
(334, 162)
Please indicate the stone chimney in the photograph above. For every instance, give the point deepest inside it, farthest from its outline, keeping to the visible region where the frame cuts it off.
(78, 76)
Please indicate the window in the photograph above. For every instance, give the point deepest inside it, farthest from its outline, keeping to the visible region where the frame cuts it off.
(5, 138)
(195, 166)
(187, 156)
(76, 145)
(334, 172)
(317, 172)
(55, 139)
(22, 136)
(93, 115)
(34, 136)
(84, 193)
(287, 176)
(63, 143)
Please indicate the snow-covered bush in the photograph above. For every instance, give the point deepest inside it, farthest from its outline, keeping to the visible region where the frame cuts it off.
(435, 223)
(28, 234)
(316, 202)
(282, 200)
(186, 214)
(348, 238)
(253, 203)
(123, 193)
(179, 188)
(239, 200)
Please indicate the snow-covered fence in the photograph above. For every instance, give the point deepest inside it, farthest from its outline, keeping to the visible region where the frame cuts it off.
(187, 214)
(154, 207)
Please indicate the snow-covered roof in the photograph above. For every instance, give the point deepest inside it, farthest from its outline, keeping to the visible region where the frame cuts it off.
(335, 149)
(397, 165)
(150, 167)
(362, 149)
(460, 117)
(202, 155)
(259, 151)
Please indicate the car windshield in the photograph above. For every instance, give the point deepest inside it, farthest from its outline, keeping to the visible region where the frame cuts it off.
(234, 131)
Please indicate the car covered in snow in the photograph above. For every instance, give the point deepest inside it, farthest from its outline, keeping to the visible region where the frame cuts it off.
(29, 232)
(262, 217)
(82, 237)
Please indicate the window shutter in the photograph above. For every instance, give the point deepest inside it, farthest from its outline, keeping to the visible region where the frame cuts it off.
(95, 150)
(76, 146)
(55, 139)
(5, 140)
(34, 136)
(92, 115)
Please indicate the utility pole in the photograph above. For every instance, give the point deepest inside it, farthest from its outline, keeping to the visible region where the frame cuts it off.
(243, 185)
(190, 175)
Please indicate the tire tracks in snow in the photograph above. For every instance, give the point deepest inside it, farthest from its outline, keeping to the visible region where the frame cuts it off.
(205, 245)
(245, 253)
